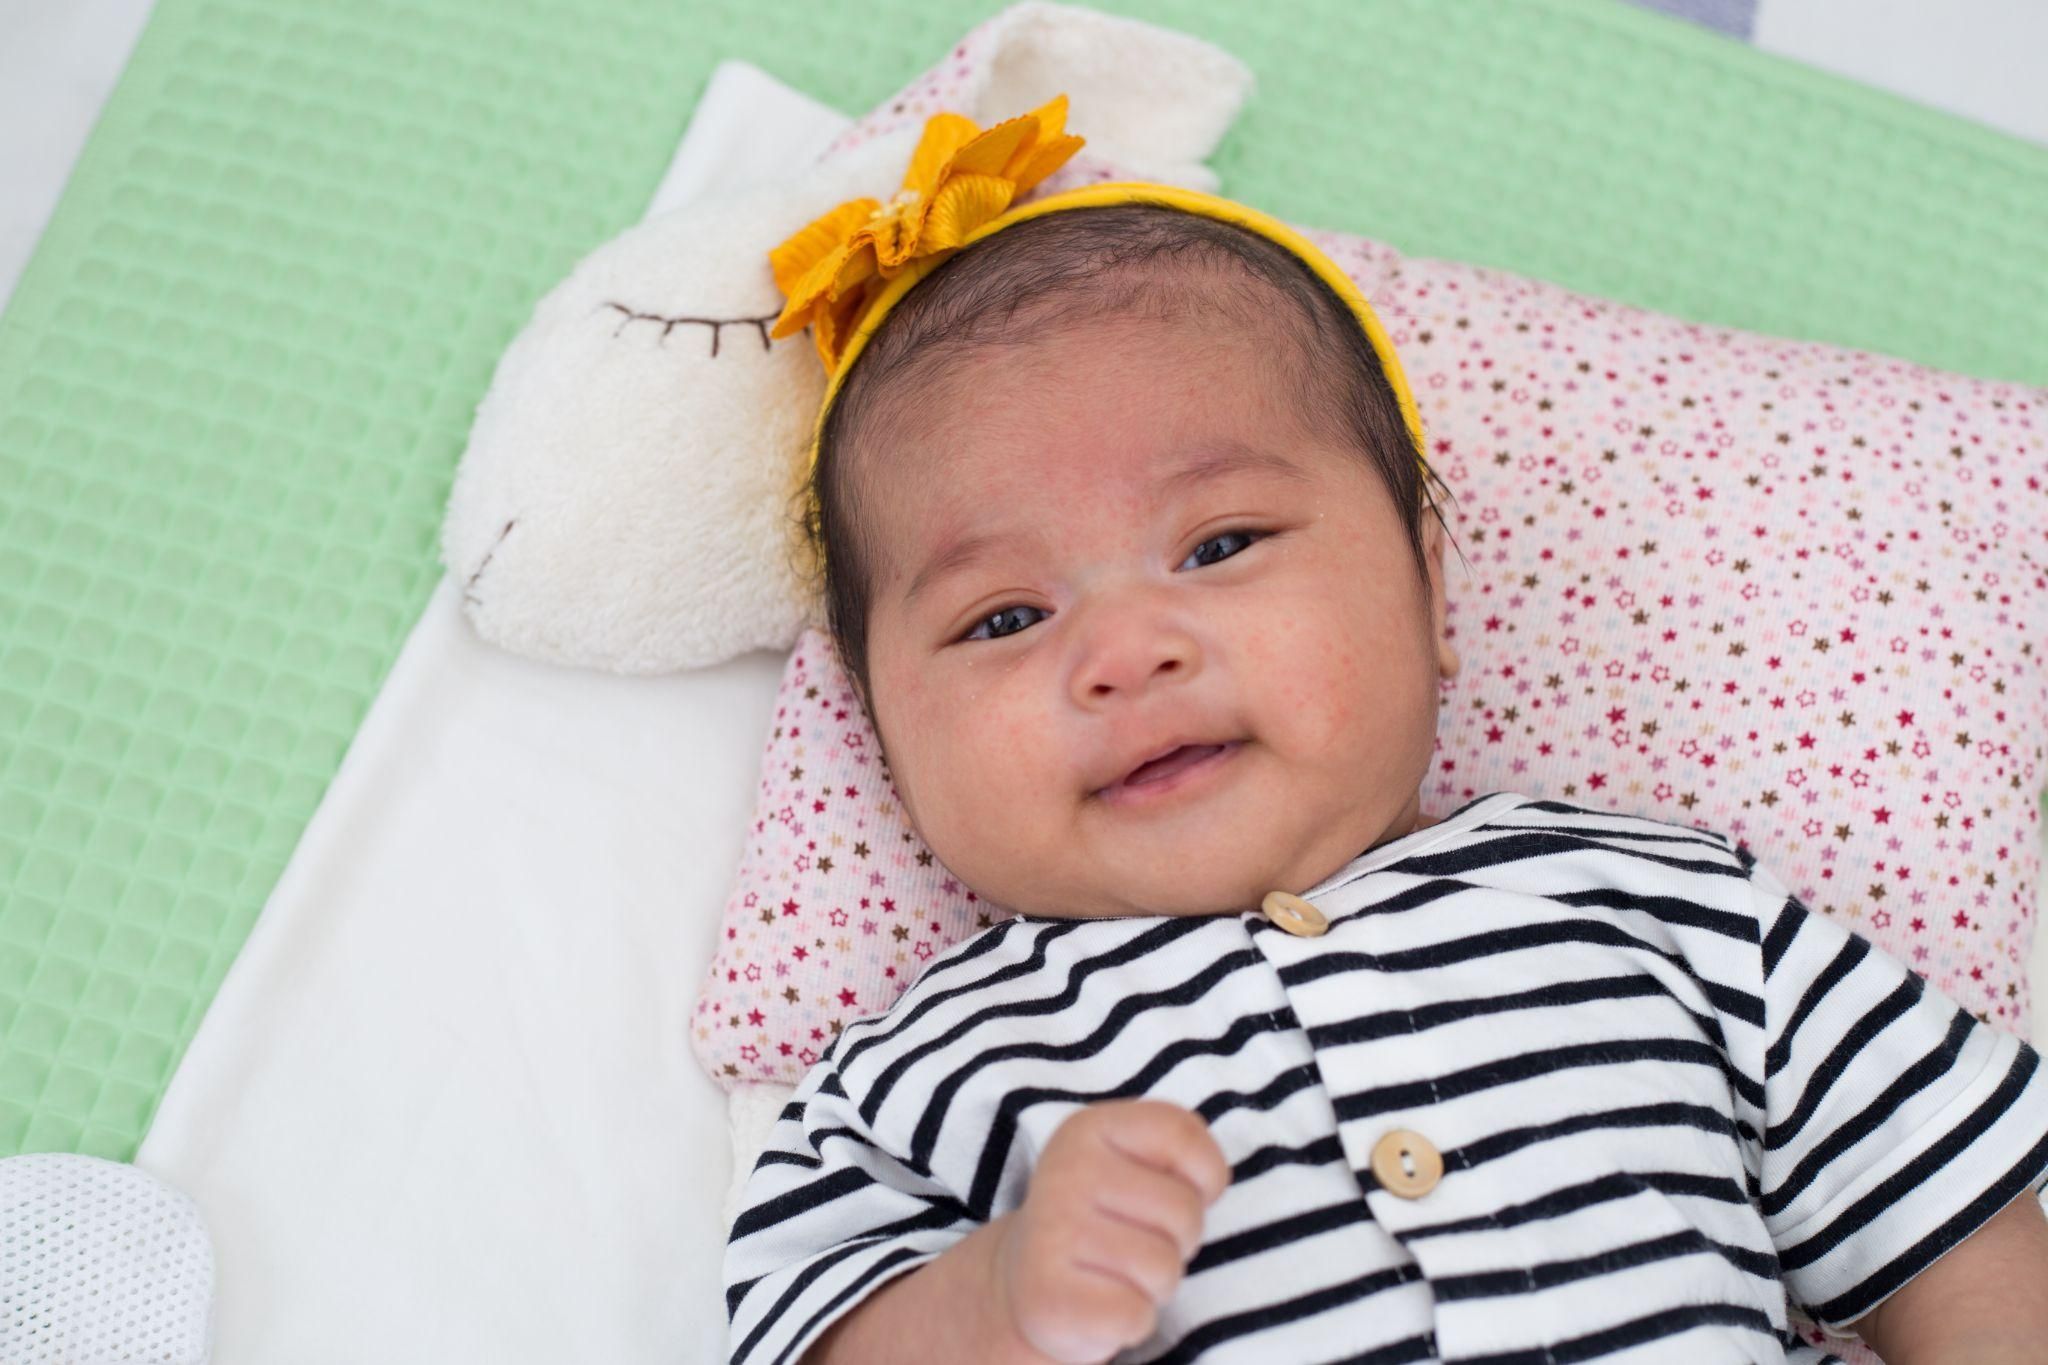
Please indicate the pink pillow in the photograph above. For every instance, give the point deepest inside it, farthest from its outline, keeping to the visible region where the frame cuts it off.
(839, 903)
(1776, 589)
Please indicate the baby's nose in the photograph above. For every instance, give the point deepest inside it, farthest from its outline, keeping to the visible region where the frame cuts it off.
(1130, 655)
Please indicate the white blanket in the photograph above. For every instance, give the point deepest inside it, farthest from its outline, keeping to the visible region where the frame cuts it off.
(444, 1106)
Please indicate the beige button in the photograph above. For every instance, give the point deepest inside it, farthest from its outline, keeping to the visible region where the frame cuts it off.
(1407, 1163)
(1293, 914)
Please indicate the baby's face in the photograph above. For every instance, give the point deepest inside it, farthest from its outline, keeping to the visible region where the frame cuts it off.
(1114, 541)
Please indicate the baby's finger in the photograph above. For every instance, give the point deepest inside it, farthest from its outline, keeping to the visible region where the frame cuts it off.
(1150, 1197)
(1168, 1137)
(1101, 1315)
(1080, 1314)
(1142, 1256)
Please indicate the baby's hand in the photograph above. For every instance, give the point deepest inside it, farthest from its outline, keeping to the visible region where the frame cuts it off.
(1105, 1231)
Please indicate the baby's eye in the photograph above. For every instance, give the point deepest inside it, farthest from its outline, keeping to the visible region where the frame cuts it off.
(1208, 552)
(1005, 622)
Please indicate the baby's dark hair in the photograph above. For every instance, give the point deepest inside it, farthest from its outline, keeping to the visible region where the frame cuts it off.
(1027, 279)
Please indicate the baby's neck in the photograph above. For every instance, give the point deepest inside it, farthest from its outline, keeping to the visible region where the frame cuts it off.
(1411, 819)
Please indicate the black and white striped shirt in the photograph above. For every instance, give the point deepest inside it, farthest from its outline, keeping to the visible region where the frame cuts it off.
(1666, 1098)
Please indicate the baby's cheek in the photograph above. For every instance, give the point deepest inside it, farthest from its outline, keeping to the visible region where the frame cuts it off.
(1313, 672)
(1007, 738)
(976, 741)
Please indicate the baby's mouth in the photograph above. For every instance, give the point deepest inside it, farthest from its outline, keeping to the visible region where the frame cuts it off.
(1165, 766)
(1160, 773)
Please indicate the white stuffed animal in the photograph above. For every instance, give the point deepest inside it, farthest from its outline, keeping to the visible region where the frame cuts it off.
(625, 499)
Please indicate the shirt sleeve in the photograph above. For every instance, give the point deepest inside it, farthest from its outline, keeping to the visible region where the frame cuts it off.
(828, 1216)
(1896, 1123)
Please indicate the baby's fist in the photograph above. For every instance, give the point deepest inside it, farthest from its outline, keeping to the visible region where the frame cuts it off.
(1105, 1231)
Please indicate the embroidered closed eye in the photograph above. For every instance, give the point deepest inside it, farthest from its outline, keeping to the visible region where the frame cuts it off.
(669, 324)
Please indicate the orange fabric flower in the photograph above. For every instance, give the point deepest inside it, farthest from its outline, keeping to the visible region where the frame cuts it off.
(959, 178)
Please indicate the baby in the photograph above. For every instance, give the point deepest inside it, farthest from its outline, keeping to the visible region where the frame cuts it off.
(1133, 559)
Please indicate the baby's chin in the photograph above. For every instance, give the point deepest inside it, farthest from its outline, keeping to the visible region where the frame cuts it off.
(1213, 849)
(1223, 870)
(1094, 882)
(1186, 872)
(1211, 876)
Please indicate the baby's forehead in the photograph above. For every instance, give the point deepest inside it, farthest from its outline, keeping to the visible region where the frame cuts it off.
(1184, 358)
(955, 529)
(1204, 343)
(1136, 405)
(1120, 410)
(996, 311)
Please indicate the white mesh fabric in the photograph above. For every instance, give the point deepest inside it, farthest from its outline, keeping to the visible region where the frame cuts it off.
(100, 1262)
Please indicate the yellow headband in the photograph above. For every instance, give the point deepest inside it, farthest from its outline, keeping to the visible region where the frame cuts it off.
(845, 271)
(1139, 192)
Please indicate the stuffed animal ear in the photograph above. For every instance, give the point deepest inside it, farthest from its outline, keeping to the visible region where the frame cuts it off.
(1151, 101)
(1153, 104)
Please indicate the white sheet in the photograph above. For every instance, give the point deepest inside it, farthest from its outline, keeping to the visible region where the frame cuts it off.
(444, 1106)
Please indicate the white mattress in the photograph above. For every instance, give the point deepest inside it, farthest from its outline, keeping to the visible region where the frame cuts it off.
(443, 1107)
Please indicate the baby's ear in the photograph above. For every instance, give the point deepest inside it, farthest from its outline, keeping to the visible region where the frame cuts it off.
(1433, 537)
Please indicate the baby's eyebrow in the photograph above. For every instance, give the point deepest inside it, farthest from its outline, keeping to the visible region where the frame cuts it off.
(958, 555)
(1214, 462)
(1230, 457)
